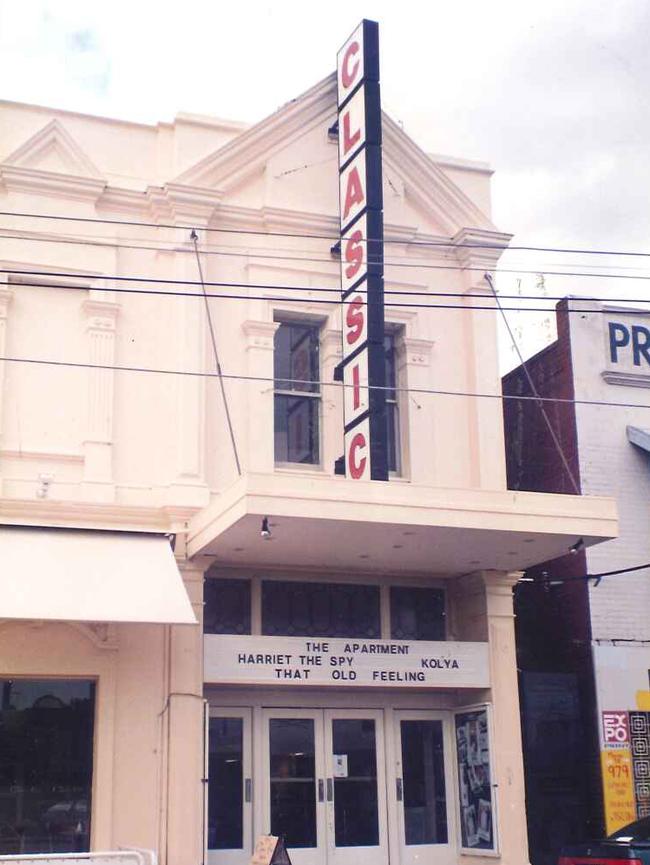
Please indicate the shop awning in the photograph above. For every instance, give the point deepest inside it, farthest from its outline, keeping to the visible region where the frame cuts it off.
(90, 576)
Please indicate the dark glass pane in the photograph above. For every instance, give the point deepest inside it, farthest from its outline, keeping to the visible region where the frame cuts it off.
(390, 368)
(356, 820)
(293, 780)
(296, 429)
(392, 442)
(46, 752)
(227, 608)
(319, 609)
(423, 777)
(417, 613)
(295, 358)
(225, 791)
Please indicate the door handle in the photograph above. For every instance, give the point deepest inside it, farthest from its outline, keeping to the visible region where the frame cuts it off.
(330, 790)
(399, 791)
(321, 790)
(248, 790)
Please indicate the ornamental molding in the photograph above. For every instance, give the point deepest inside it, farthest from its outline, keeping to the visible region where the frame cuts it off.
(51, 183)
(482, 249)
(627, 379)
(53, 137)
(93, 515)
(259, 334)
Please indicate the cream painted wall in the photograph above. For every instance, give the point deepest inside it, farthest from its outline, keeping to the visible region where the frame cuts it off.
(160, 440)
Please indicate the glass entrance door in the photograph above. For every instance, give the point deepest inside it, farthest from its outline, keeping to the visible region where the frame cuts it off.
(230, 824)
(423, 788)
(356, 787)
(326, 786)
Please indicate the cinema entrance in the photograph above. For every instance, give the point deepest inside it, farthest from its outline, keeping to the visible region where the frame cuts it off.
(342, 785)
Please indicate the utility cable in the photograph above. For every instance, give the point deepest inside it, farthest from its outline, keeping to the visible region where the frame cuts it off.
(320, 383)
(310, 300)
(302, 259)
(531, 383)
(548, 580)
(332, 237)
(195, 240)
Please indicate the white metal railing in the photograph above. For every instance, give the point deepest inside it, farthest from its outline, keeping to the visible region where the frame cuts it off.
(123, 856)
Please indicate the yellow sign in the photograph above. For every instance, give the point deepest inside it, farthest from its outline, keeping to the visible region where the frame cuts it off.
(618, 788)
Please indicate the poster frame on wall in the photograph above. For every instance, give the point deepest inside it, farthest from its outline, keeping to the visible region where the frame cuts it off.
(494, 851)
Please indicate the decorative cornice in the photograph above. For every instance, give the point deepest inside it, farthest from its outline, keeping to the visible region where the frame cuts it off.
(480, 248)
(92, 515)
(627, 379)
(51, 183)
(418, 351)
(259, 334)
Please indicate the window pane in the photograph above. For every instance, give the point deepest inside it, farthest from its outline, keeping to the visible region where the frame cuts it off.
(389, 355)
(417, 613)
(293, 780)
(296, 429)
(225, 791)
(295, 359)
(356, 821)
(46, 751)
(227, 607)
(319, 609)
(392, 443)
(423, 768)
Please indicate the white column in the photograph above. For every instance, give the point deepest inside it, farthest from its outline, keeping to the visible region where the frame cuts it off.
(416, 410)
(185, 756)
(101, 317)
(507, 746)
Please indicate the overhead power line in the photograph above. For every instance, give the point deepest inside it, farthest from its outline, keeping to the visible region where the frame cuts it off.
(244, 253)
(319, 383)
(299, 298)
(450, 243)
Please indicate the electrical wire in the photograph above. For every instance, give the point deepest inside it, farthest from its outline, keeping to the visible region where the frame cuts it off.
(195, 240)
(303, 259)
(308, 300)
(548, 580)
(531, 384)
(332, 237)
(319, 383)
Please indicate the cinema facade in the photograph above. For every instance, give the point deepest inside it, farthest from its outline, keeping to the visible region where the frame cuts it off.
(197, 649)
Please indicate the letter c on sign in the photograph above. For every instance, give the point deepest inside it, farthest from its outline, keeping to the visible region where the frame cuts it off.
(357, 466)
(348, 75)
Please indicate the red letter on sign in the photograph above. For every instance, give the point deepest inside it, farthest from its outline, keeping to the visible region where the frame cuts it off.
(354, 320)
(348, 75)
(356, 389)
(356, 466)
(354, 193)
(349, 140)
(353, 253)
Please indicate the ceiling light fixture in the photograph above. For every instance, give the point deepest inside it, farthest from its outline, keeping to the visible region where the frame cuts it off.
(575, 549)
(265, 531)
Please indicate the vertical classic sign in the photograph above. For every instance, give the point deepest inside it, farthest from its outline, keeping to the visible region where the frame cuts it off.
(362, 267)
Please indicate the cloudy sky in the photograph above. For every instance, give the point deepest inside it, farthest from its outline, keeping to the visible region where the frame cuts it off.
(554, 95)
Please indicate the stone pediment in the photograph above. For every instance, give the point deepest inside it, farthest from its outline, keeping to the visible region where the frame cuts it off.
(51, 161)
(288, 158)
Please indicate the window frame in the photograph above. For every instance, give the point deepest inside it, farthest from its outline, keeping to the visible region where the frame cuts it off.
(316, 325)
(394, 334)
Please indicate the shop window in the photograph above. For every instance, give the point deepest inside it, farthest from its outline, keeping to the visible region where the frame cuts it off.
(417, 613)
(46, 751)
(296, 371)
(392, 405)
(294, 609)
(227, 606)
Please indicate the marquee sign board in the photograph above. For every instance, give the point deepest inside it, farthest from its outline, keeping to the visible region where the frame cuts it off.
(362, 268)
(258, 660)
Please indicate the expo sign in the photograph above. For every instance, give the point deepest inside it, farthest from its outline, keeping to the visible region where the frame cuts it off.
(616, 730)
(361, 230)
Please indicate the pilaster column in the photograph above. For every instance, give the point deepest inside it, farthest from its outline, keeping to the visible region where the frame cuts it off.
(507, 758)
(479, 252)
(101, 318)
(185, 765)
(6, 296)
(259, 335)
(331, 353)
(416, 410)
